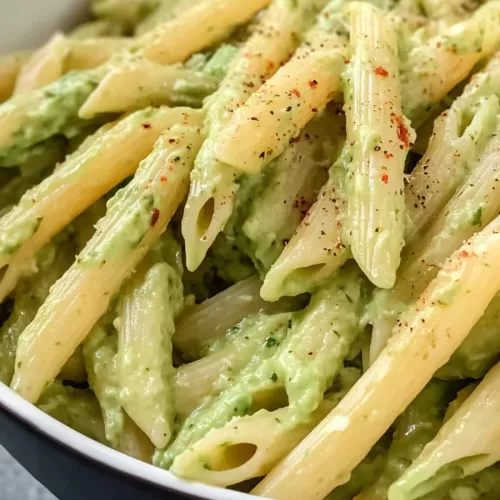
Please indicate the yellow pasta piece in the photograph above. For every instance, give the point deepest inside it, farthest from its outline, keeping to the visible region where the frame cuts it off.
(424, 340)
(135, 219)
(262, 128)
(9, 70)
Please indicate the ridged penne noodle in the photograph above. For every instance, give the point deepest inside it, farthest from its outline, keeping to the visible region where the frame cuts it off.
(473, 207)
(460, 134)
(195, 29)
(144, 83)
(202, 324)
(10, 65)
(450, 11)
(126, 12)
(212, 374)
(381, 137)
(97, 28)
(135, 219)
(466, 444)
(433, 68)
(318, 247)
(213, 183)
(247, 447)
(98, 165)
(151, 300)
(250, 446)
(135, 443)
(426, 337)
(287, 101)
(99, 353)
(288, 190)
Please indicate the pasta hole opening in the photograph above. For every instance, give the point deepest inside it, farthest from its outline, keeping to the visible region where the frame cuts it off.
(232, 456)
(465, 120)
(3, 272)
(271, 399)
(205, 217)
(304, 274)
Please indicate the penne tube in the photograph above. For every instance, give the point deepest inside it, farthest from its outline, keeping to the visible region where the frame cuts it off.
(74, 369)
(250, 446)
(472, 208)
(212, 374)
(149, 303)
(50, 263)
(99, 353)
(318, 247)
(85, 176)
(466, 444)
(144, 83)
(424, 340)
(451, 11)
(381, 137)
(202, 324)
(460, 134)
(135, 443)
(92, 52)
(286, 102)
(288, 189)
(96, 29)
(211, 20)
(433, 68)
(213, 183)
(125, 12)
(10, 65)
(247, 447)
(135, 219)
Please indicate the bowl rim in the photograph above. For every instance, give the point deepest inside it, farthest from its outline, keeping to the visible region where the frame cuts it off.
(105, 456)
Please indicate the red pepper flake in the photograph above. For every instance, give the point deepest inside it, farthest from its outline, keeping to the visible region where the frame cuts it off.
(438, 45)
(388, 156)
(313, 84)
(146, 125)
(385, 178)
(270, 65)
(163, 179)
(464, 254)
(155, 215)
(347, 60)
(403, 132)
(295, 92)
(379, 70)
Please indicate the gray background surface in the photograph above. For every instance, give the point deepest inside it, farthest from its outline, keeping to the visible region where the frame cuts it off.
(16, 483)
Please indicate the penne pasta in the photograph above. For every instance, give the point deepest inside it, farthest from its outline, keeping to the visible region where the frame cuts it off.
(213, 183)
(286, 102)
(433, 68)
(459, 136)
(135, 219)
(381, 137)
(10, 65)
(426, 337)
(151, 300)
(319, 246)
(85, 176)
(466, 444)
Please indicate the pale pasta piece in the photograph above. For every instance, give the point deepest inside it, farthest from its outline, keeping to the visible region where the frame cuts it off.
(148, 306)
(195, 29)
(136, 217)
(472, 207)
(100, 163)
(92, 52)
(213, 183)
(460, 134)
(10, 65)
(467, 443)
(261, 129)
(212, 374)
(202, 324)
(145, 83)
(381, 137)
(135, 443)
(425, 339)
(433, 68)
(450, 11)
(126, 12)
(245, 448)
(318, 247)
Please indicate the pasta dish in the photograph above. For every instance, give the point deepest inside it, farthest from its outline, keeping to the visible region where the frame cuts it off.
(257, 244)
